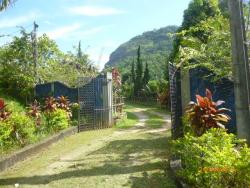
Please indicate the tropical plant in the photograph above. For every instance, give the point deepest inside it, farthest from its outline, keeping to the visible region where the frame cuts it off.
(50, 104)
(64, 104)
(4, 114)
(34, 110)
(205, 114)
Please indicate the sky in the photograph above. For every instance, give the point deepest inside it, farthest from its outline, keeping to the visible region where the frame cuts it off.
(101, 25)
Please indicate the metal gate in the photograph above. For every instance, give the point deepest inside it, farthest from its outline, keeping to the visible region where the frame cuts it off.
(176, 104)
(95, 102)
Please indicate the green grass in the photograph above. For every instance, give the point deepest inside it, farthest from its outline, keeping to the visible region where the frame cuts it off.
(154, 120)
(100, 158)
(138, 160)
(156, 108)
(127, 122)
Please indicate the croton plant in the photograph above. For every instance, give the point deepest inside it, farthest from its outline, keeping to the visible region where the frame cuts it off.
(34, 110)
(4, 114)
(205, 114)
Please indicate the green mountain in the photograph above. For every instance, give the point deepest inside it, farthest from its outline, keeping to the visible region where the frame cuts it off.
(155, 48)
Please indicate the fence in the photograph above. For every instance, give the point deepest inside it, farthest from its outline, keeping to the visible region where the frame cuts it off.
(94, 96)
(56, 89)
(176, 101)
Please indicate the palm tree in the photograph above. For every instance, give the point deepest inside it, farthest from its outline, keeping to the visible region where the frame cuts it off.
(5, 3)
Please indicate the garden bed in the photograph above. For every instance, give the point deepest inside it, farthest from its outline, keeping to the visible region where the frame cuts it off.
(29, 150)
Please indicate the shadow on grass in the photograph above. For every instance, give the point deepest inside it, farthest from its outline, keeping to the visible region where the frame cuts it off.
(154, 180)
(128, 151)
(106, 169)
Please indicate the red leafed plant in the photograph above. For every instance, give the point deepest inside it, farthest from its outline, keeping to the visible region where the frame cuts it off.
(50, 104)
(116, 76)
(205, 114)
(35, 112)
(4, 114)
(64, 104)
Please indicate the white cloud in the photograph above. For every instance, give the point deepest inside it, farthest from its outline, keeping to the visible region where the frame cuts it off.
(94, 11)
(17, 21)
(47, 22)
(63, 32)
(72, 32)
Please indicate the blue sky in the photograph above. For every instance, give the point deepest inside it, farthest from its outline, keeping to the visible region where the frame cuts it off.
(101, 25)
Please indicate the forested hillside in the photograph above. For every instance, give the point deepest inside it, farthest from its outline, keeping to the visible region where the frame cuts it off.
(155, 48)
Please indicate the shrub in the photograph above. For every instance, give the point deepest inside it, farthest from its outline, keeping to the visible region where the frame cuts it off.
(75, 108)
(22, 128)
(215, 159)
(205, 114)
(5, 132)
(56, 120)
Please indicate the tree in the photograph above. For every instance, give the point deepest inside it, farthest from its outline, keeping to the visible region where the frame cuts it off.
(16, 65)
(79, 52)
(197, 11)
(215, 54)
(133, 72)
(5, 3)
(139, 72)
(146, 76)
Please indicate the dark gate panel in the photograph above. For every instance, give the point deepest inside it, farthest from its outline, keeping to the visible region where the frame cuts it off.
(95, 100)
(176, 105)
(86, 98)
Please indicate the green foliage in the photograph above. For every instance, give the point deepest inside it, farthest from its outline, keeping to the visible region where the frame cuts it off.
(22, 127)
(199, 10)
(215, 54)
(215, 159)
(56, 120)
(5, 132)
(127, 90)
(157, 87)
(146, 76)
(17, 69)
(204, 38)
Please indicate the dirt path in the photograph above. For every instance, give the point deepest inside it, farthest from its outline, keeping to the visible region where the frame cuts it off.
(136, 158)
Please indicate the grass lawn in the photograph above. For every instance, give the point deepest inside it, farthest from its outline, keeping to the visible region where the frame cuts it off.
(109, 158)
(154, 121)
(127, 122)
